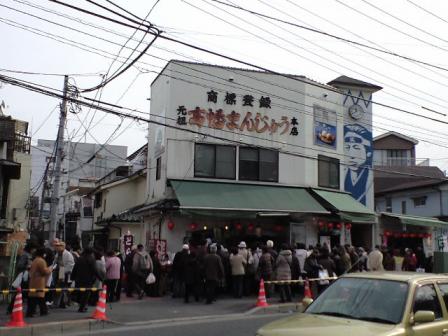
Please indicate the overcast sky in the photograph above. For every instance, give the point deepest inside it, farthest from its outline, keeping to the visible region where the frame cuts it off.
(399, 26)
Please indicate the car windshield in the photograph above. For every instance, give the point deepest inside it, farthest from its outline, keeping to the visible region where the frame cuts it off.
(372, 300)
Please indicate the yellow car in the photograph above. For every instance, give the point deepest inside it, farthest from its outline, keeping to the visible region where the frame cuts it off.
(377, 303)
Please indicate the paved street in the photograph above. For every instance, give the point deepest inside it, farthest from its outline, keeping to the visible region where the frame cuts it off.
(232, 325)
(167, 315)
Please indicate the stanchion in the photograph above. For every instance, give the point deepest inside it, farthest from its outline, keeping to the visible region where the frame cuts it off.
(17, 312)
(261, 302)
(307, 293)
(100, 310)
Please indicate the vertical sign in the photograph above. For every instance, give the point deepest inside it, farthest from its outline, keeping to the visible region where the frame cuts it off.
(128, 241)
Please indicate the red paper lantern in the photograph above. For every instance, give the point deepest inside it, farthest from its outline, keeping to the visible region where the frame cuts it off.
(412, 235)
(338, 226)
(193, 226)
(170, 225)
(251, 227)
(421, 235)
(397, 235)
(238, 226)
(321, 224)
(405, 235)
(387, 233)
(348, 226)
(330, 226)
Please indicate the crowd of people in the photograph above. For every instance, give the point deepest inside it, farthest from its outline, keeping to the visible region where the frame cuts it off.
(199, 272)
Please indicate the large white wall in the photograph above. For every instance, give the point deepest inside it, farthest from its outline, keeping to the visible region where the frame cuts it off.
(289, 98)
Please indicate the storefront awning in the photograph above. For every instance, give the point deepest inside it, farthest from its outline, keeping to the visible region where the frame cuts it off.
(225, 197)
(416, 220)
(346, 206)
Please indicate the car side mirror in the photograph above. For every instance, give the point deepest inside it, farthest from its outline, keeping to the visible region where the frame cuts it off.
(424, 316)
(306, 302)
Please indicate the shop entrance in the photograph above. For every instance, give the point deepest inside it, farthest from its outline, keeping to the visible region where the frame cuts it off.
(362, 235)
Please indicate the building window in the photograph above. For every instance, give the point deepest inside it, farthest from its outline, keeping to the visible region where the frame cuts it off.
(158, 168)
(258, 164)
(388, 204)
(403, 207)
(328, 172)
(215, 161)
(419, 201)
(98, 200)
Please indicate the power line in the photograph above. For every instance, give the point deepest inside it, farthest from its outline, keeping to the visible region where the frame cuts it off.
(405, 22)
(112, 42)
(368, 52)
(16, 82)
(246, 63)
(392, 28)
(47, 73)
(331, 35)
(427, 11)
(350, 69)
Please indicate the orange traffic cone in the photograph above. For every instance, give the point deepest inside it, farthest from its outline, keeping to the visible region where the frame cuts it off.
(261, 302)
(100, 310)
(307, 292)
(17, 312)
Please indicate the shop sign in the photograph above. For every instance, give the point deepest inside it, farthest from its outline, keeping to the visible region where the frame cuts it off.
(325, 131)
(254, 122)
(159, 246)
(128, 241)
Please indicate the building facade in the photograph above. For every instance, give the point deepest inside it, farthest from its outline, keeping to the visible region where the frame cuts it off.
(411, 197)
(245, 155)
(116, 197)
(82, 161)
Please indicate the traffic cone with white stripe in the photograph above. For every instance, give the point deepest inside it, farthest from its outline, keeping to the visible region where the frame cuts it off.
(17, 312)
(307, 292)
(100, 310)
(261, 302)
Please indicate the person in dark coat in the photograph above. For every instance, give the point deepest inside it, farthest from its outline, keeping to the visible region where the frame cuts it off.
(84, 274)
(177, 271)
(327, 264)
(128, 270)
(296, 272)
(154, 288)
(192, 277)
(312, 268)
(213, 271)
(388, 259)
(266, 269)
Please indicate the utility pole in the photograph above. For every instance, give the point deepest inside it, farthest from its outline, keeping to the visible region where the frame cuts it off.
(58, 162)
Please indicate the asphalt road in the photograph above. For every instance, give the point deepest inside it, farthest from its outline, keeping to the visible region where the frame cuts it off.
(225, 326)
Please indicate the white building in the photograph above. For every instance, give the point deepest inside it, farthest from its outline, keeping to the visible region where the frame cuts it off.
(81, 161)
(248, 155)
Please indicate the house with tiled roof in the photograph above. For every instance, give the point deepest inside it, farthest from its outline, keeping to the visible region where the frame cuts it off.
(411, 197)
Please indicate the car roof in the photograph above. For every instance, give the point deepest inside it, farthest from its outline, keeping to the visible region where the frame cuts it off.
(398, 276)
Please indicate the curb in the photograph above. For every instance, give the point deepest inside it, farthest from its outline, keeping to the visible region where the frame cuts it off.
(86, 324)
(56, 328)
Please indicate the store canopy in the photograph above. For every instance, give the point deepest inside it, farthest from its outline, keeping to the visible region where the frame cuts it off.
(416, 220)
(346, 206)
(230, 197)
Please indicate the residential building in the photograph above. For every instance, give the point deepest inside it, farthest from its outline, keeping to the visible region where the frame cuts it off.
(411, 197)
(250, 155)
(116, 197)
(81, 161)
(15, 173)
